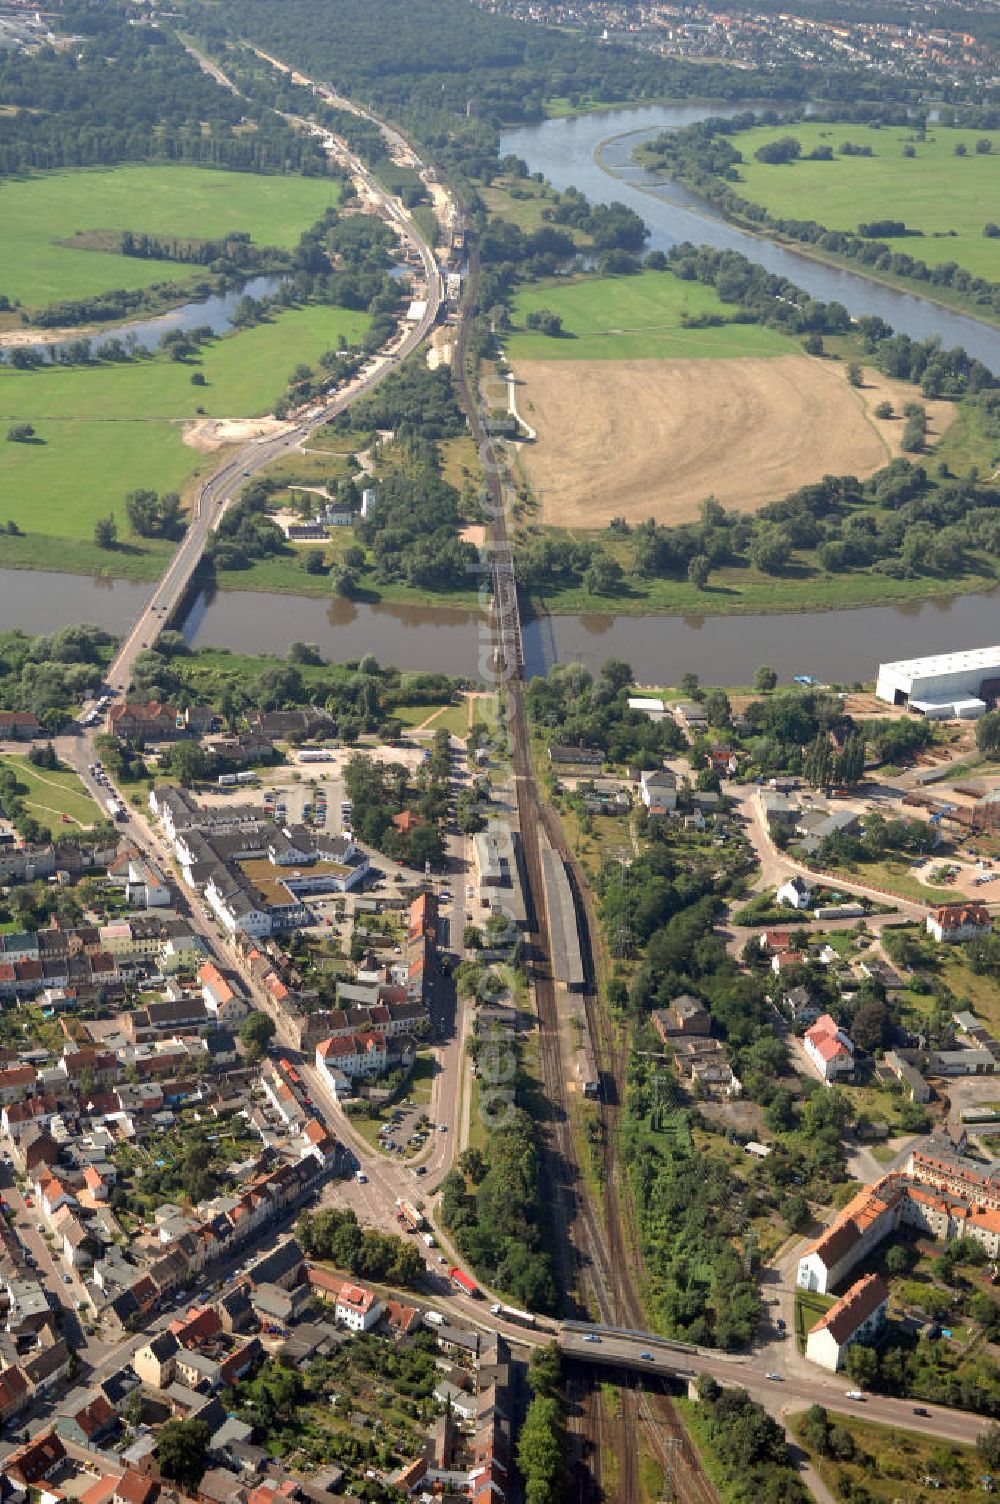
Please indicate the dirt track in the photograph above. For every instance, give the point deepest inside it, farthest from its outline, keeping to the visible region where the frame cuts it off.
(644, 438)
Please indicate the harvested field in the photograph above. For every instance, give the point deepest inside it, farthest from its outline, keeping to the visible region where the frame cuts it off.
(652, 438)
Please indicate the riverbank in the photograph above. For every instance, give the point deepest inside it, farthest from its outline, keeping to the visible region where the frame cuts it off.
(940, 297)
(730, 594)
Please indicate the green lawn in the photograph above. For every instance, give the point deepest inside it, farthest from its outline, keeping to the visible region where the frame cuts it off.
(934, 191)
(634, 318)
(39, 212)
(54, 794)
(105, 430)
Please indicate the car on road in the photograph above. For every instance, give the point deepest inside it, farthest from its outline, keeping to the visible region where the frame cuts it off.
(779, 1323)
(361, 1177)
(420, 1170)
(591, 1337)
(442, 1127)
(67, 1280)
(853, 1394)
(920, 1410)
(775, 1377)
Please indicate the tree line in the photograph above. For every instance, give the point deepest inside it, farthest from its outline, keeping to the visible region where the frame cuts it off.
(701, 156)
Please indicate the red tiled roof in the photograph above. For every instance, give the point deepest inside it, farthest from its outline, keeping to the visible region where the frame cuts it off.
(861, 1300)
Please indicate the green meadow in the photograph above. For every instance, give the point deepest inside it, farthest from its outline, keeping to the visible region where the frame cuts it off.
(105, 430)
(54, 794)
(634, 318)
(947, 197)
(39, 213)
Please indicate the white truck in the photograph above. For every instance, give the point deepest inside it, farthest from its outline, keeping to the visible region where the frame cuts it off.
(430, 1240)
(511, 1313)
(434, 1318)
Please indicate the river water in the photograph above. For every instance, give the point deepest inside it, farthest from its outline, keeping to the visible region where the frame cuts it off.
(839, 645)
(566, 152)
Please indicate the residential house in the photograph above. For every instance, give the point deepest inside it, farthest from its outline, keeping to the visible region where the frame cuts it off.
(135, 723)
(356, 1308)
(684, 1016)
(658, 790)
(857, 1316)
(156, 1361)
(829, 1048)
(954, 922)
(796, 893)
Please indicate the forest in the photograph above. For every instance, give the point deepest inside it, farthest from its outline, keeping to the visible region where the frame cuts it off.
(125, 92)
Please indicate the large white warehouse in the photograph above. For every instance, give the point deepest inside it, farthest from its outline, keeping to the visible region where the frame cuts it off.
(956, 683)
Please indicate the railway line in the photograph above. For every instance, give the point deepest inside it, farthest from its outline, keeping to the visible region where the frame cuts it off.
(593, 1255)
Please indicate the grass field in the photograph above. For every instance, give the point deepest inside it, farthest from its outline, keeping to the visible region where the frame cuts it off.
(741, 591)
(105, 430)
(633, 318)
(891, 1464)
(39, 212)
(54, 794)
(934, 191)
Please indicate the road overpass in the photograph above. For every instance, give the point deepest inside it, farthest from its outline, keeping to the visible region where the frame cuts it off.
(781, 1393)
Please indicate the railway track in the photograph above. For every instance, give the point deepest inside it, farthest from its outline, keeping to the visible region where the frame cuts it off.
(592, 1254)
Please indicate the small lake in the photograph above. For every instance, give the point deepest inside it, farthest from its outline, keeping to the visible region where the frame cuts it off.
(570, 153)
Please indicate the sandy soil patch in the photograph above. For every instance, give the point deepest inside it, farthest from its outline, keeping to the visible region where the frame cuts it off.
(440, 348)
(644, 438)
(207, 434)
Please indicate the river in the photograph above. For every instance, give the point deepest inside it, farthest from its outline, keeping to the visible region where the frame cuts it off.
(214, 312)
(839, 645)
(566, 151)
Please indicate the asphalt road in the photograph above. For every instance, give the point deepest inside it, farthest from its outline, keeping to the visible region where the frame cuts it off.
(784, 1394)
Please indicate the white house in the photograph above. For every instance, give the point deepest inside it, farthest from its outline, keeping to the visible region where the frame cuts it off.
(352, 1056)
(219, 998)
(796, 893)
(857, 1316)
(829, 1048)
(953, 922)
(658, 789)
(356, 1308)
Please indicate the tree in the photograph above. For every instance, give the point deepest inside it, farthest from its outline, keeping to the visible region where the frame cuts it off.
(256, 1033)
(698, 571)
(897, 1260)
(545, 1369)
(770, 552)
(718, 708)
(188, 762)
(181, 1448)
(861, 1363)
(314, 561)
(817, 765)
(765, 679)
(988, 732)
(540, 1451)
(105, 532)
(855, 375)
(20, 433)
(884, 410)
(988, 1447)
(691, 686)
(870, 1026)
